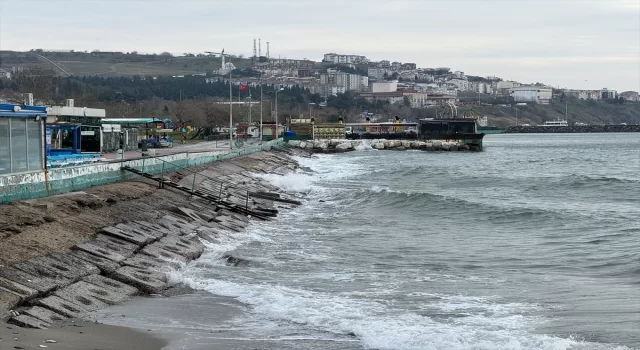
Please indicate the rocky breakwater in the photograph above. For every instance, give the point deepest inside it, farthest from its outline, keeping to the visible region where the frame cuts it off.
(134, 257)
(572, 129)
(338, 146)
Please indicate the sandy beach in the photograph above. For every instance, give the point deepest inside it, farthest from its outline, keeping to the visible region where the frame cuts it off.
(77, 335)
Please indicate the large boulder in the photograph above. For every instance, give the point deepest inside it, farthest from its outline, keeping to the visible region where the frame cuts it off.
(302, 144)
(379, 145)
(344, 146)
(405, 144)
(294, 143)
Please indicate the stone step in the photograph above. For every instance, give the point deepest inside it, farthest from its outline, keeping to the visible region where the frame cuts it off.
(121, 246)
(62, 306)
(191, 248)
(67, 265)
(157, 251)
(43, 314)
(149, 228)
(127, 234)
(80, 294)
(97, 249)
(110, 285)
(105, 265)
(143, 279)
(144, 261)
(29, 322)
(37, 283)
(23, 292)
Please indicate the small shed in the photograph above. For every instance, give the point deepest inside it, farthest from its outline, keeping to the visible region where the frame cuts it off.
(22, 138)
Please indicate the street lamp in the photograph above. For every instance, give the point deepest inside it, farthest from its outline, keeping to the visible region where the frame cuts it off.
(260, 133)
(281, 89)
(230, 112)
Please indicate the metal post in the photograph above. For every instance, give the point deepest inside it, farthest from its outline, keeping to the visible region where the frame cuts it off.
(277, 114)
(161, 183)
(143, 159)
(260, 110)
(230, 113)
(193, 184)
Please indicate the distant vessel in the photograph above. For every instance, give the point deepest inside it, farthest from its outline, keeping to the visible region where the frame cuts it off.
(557, 122)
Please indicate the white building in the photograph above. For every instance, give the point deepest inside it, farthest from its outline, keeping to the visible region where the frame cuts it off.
(387, 86)
(377, 73)
(344, 59)
(632, 96)
(351, 82)
(5, 74)
(608, 94)
(460, 84)
(533, 93)
(331, 90)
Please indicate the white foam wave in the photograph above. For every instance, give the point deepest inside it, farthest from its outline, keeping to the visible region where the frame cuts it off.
(294, 182)
(364, 145)
(381, 327)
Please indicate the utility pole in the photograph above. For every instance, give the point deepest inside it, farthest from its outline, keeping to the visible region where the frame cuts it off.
(259, 47)
(230, 112)
(255, 52)
(260, 108)
(267, 50)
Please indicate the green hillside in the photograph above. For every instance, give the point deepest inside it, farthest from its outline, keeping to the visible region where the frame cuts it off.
(589, 112)
(115, 63)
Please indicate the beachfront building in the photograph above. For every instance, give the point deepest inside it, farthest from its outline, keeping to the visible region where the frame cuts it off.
(22, 138)
(537, 94)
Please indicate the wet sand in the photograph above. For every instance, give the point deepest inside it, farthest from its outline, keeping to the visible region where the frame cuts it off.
(77, 335)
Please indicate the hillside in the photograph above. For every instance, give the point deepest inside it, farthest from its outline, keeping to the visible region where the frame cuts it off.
(589, 112)
(115, 63)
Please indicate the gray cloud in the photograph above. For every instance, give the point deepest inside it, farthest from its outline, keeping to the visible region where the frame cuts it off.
(581, 43)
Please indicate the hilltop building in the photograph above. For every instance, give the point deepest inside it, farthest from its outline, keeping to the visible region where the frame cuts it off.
(632, 96)
(537, 94)
(344, 59)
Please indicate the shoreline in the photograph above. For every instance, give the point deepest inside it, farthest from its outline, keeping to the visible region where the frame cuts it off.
(52, 270)
(78, 334)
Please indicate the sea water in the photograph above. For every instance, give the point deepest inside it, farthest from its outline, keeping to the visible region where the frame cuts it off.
(532, 244)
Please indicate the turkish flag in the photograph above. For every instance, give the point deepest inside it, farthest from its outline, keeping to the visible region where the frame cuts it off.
(244, 87)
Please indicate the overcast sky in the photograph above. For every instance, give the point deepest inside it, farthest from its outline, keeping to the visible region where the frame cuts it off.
(584, 44)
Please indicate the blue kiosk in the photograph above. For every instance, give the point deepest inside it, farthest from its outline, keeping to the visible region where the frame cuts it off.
(64, 157)
(22, 138)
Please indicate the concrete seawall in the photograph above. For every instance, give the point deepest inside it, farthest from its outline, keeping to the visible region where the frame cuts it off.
(572, 129)
(134, 257)
(62, 180)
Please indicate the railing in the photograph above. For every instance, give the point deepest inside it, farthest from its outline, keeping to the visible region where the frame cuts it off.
(168, 166)
(240, 191)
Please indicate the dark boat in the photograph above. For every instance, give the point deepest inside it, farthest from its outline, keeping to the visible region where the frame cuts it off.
(461, 130)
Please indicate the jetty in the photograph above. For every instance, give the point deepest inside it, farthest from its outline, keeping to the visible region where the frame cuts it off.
(541, 129)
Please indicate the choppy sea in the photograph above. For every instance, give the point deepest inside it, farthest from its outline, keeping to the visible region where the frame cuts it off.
(532, 244)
